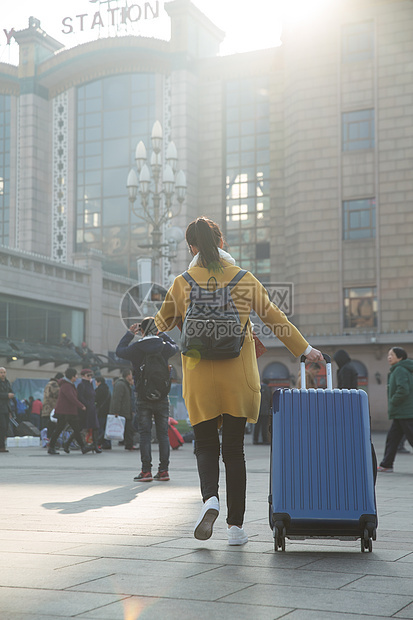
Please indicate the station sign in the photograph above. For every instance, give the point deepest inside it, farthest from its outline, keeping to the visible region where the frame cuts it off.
(111, 17)
(117, 15)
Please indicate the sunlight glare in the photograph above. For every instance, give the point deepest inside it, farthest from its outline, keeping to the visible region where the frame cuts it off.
(294, 11)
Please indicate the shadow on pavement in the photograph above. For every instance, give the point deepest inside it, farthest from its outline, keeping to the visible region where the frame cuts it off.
(114, 497)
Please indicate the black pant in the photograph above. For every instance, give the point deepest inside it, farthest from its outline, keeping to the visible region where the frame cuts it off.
(398, 428)
(104, 443)
(262, 428)
(128, 436)
(4, 426)
(207, 449)
(74, 423)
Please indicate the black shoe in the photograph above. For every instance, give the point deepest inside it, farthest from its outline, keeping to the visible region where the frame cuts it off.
(97, 449)
(52, 451)
(66, 448)
(86, 449)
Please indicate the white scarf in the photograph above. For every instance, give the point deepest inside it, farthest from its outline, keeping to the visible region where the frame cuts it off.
(222, 254)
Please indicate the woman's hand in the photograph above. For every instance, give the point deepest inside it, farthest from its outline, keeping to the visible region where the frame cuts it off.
(315, 355)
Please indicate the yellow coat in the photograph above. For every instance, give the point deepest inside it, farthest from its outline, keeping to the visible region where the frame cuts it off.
(214, 387)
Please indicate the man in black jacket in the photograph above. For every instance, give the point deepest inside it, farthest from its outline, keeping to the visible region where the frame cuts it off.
(347, 375)
(102, 400)
(151, 344)
(6, 395)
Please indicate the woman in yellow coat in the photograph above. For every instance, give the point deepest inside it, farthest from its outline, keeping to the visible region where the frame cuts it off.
(226, 391)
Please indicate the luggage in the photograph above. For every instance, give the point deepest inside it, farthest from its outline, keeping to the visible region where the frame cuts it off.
(175, 438)
(322, 465)
(27, 429)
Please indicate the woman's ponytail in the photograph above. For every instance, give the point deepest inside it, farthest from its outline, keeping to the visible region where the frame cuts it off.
(206, 236)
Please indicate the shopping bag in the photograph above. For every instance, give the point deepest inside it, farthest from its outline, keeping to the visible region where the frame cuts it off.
(115, 427)
(52, 416)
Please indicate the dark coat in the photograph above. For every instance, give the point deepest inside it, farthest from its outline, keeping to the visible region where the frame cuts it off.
(347, 375)
(136, 351)
(400, 390)
(67, 401)
(266, 399)
(86, 395)
(5, 390)
(121, 402)
(102, 398)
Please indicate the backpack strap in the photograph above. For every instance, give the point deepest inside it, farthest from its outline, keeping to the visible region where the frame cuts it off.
(188, 278)
(241, 273)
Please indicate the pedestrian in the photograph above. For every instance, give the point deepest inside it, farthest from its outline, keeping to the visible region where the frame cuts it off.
(66, 412)
(226, 392)
(89, 417)
(149, 357)
(400, 405)
(36, 412)
(6, 395)
(50, 395)
(401, 449)
(102, 400)
(121, 404)
(263, 422)
(347, 375)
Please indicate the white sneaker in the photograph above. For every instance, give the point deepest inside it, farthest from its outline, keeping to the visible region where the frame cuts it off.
(207, 518)
(236, 536)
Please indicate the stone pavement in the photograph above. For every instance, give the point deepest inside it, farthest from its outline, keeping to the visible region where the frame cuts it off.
(80, 539)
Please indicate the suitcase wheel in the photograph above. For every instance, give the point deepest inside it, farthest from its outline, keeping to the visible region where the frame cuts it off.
(279, 532)
(366, 542)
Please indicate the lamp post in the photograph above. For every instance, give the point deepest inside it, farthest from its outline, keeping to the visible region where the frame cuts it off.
(160, 183)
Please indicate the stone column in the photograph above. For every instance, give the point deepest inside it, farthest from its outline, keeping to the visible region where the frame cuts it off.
(92, 261)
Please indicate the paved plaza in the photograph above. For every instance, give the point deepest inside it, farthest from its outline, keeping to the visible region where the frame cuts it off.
(80, 539)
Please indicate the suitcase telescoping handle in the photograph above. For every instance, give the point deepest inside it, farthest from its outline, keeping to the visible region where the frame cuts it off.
(327, 359)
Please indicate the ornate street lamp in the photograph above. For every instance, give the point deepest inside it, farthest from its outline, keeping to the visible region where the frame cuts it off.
(159, 183)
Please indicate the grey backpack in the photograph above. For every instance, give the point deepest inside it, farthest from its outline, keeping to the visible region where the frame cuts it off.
(212, 327)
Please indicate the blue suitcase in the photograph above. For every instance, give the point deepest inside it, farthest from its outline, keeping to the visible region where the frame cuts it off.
(323, 465)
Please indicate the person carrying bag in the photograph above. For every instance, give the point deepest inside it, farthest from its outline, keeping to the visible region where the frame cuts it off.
(222, 391)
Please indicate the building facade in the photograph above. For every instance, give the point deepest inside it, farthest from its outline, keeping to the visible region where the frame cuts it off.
(303, 153)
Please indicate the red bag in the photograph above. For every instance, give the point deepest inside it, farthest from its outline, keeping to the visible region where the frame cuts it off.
(175, 438)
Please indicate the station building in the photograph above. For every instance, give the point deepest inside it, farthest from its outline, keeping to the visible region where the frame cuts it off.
(303, 153)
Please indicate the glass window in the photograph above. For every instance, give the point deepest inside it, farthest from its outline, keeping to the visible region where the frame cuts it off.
(359, 219)
(93, 105)
(116, 123)
(114, 113)
(93, 89)
(247, 173)
(358, 130)
(116, 92)
(34, 321)
(360, 307)
(357, 42)
(116, 153)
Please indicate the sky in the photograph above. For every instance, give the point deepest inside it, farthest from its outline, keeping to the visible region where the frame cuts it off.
(249, 24)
